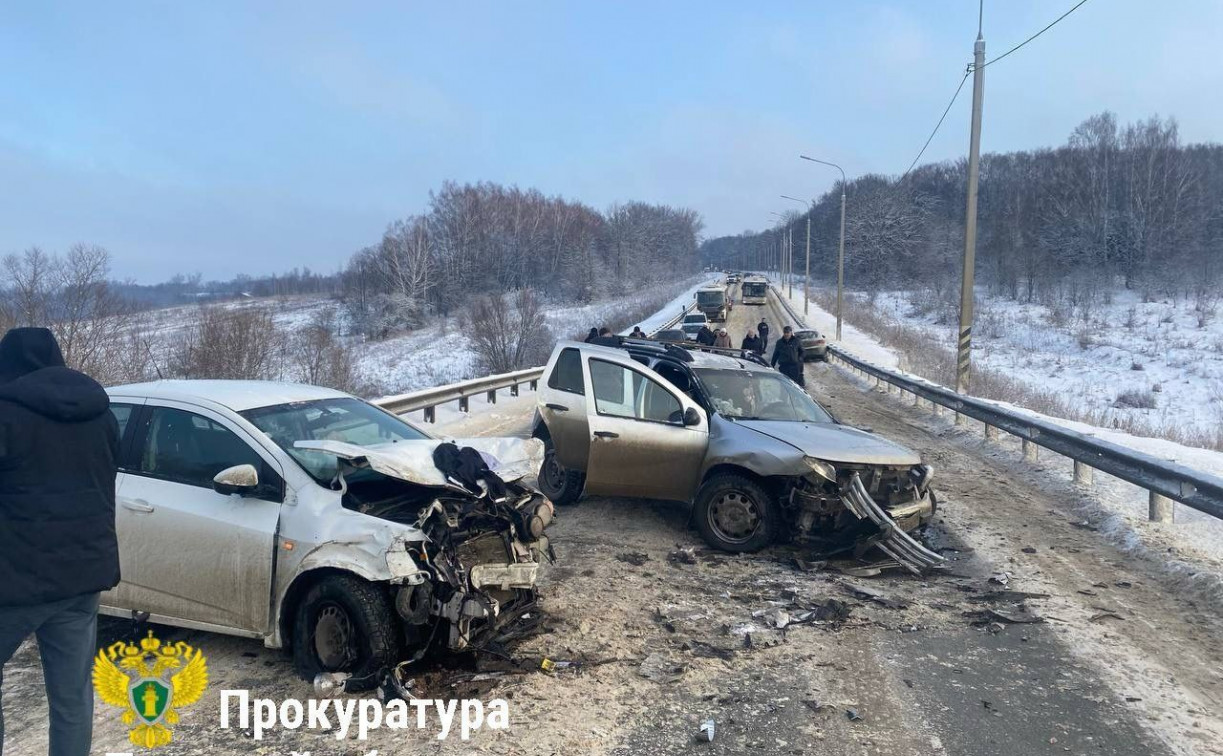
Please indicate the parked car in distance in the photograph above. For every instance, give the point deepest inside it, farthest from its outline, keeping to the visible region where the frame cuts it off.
(733, 278)
(671, 334)
(314, 520)
(815, 346)
(755, 456)
(692, 323)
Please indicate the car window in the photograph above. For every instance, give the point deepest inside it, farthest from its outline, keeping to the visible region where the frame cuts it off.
(621, 392)
(122, 413)
(567, 374)
(188, 448)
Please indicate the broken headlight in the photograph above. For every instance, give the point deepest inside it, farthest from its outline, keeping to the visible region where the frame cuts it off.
(921, 475)
(822, 469)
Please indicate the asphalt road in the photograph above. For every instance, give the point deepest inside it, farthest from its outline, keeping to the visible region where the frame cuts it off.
(1118, 658)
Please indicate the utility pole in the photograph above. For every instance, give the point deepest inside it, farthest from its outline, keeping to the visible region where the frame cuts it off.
(841, 248)
(807, 270)
(964, 350)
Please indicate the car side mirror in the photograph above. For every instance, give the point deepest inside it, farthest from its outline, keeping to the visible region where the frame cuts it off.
(692, 417)
(239, 479)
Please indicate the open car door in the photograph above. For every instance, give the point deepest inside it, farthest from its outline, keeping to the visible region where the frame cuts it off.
(647, 438)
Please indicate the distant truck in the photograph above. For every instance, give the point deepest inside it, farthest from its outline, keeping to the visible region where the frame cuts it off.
(711, 300)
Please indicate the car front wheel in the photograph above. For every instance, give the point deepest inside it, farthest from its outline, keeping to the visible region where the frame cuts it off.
(560, 484)
(734, 513)
(345, 624)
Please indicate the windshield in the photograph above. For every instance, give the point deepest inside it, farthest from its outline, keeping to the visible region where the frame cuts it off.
(755, 289)
(709, 297)
(341, 419)
(697, 319)
(757, 395)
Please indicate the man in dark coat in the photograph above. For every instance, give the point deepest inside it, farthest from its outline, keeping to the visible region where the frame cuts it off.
(752, 341)
(788, 356)
(594, 334)
(705, 336)
(605, 337)
(763, 330)
(59, 445)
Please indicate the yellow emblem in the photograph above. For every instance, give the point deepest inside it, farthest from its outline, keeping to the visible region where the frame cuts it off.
(148, 681)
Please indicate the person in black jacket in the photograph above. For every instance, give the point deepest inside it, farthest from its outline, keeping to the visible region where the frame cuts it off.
(752, 341)
(763, 330)
(788, 356)
(59, 445)
(705, 336)
(594, 334)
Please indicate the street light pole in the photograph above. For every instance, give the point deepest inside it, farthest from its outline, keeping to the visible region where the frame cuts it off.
(841, 247)
(807, 271)
(964, 349)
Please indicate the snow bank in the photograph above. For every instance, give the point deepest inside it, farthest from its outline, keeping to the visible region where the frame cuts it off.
(858, 342)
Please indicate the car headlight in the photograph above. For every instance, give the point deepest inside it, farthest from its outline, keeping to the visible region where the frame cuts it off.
(921, 475)
(822, 469)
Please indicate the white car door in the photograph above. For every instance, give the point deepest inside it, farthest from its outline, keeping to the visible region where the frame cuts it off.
(193, 554)
(125, 411)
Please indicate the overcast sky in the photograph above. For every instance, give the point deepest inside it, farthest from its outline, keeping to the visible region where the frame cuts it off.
(252, 137)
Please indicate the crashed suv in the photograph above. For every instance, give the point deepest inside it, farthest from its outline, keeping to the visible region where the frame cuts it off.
(758, 459)
(311, 519)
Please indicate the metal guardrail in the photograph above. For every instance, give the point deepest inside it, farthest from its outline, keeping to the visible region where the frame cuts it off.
(1163, 479)
(428, 399)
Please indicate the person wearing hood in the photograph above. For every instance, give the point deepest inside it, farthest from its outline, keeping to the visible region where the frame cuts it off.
(763, 330)
(705, 336)
(723, 340)
(59, 446)
(594, 334)
(752, 341)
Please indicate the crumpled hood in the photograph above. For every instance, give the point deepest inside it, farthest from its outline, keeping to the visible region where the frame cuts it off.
(511, 458)
(836, 443)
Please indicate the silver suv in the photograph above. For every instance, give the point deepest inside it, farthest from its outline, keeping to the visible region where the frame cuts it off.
(755, 455)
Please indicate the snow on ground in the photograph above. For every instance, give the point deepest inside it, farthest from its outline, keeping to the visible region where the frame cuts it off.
(676, 305)
(1091, 355)
(856, 340)
(1118, 509)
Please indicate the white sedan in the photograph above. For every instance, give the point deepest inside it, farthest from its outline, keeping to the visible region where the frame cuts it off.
(310, 518)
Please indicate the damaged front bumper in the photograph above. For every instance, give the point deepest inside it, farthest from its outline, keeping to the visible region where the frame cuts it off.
(892, 538)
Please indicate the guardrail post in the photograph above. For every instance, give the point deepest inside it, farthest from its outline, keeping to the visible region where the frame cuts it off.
(959, 418)
(917, 400)
(514, 390)
(462, 404)
(1030, 453)
(1161, 508)
(534, 385)
(492, 396)
(936, 408)
(991, 433)
(1082, 473)
(430, 415)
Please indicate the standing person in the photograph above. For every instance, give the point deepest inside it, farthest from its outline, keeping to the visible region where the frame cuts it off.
(605, 337)
(58, 551)
(705, 336)
(752, 341)
(763, 330)
(637, 333)
(788, 356)
(594, 334)
(723, 340)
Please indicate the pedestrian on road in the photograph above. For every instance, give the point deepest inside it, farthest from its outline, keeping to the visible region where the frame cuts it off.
(705, 336)
(752, 342)
(723, 340)
(763, 330)
(637, 333)
(605, 337)
(594, 334)
(58, 551)
(788, 356)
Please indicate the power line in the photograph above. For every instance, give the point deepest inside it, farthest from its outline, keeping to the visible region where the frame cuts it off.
(937, 126)
(1034, 36)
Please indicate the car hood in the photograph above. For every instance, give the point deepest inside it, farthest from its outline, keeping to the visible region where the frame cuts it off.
(835, 443)
(510, 458)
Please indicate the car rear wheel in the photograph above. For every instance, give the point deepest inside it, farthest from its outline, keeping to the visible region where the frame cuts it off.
(560, 484)
(734, 513)
(344, 624)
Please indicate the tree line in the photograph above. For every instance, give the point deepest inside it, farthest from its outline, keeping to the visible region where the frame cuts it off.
(1116, 205)
(484, 238)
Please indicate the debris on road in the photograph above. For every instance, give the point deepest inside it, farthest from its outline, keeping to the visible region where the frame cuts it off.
(706, 731)
(874, 596)
(853, 715)
(635, 558)
(660, 669)
(805, 566)
(1104, 614)
(1016, 616)
(682, 555)
(1001, 578)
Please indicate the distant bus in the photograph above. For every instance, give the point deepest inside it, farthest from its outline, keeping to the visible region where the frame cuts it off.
(754, 290)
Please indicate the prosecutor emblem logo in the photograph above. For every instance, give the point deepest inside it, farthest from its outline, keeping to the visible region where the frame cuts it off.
(149, 682)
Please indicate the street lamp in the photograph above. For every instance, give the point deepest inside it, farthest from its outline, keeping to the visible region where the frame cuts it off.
(807, 273)
(781, 251)
(841, 248)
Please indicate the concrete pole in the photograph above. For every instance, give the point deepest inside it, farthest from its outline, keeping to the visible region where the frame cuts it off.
(964, 357)
(807, 274)
(1082, 473)
(841, 258)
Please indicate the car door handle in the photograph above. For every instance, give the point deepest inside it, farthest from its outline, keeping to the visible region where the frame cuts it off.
(606, 434)
(557, 407)
(136, 505)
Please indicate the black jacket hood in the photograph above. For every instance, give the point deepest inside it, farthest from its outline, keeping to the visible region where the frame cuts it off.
(33, 374)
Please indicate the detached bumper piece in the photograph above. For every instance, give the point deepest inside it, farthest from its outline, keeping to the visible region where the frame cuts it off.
(891, 540)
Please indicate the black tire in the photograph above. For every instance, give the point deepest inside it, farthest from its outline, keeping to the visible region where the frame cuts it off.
(759, 526)
(561, 485)
(345, 624)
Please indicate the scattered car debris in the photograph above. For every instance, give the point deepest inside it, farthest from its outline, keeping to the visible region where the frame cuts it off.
(1105, 614)
(865, 570)
(1000, 578)
(635, 558)
(853, 715)
(1028, 550)
(682, 555)
(706, 733)
(816, 706)
(995, 597)
(1017, 616)
(873, 596)
(804, 566)
(660, 669)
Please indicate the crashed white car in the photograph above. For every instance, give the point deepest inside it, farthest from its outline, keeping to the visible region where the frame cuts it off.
(312, 519)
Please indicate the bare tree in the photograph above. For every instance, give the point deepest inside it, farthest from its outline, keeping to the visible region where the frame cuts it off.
(508, 333)
(238, 344)
(318, 357)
